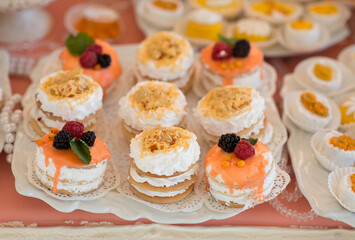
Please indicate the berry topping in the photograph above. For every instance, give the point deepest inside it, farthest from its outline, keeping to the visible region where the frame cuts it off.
(241, 49)
(228, 142)
(221, 51)
(244, 150)
(89, 138)
(104, 60)
(88, 59)
(97, 49)
(76, 129)
(62, 139)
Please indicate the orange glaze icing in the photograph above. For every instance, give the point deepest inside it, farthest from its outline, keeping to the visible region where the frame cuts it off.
(251, 175)
(232, 67)
(61, 158)
(103, 76)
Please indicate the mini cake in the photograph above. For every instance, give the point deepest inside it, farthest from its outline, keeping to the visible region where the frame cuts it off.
(347, 110)
(253, 30)
(227, 8)
(163, 13)
(311, 109)
(2, 98)
(346, 190)
(62, 164)
(167, 57)
(99, 22)
(240, 63)
(204, 25)
(302, 32)
(98, 59)
(239, 110)
(66, 96)
(163, 164)
(149, 104)
(324, 12)
(239, 173)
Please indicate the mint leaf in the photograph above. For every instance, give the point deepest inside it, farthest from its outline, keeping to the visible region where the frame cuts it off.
(229, 41)
(80, 148)
(252, 141)
(76, 45)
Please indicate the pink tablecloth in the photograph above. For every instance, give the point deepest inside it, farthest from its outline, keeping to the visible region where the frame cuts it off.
(14, 207)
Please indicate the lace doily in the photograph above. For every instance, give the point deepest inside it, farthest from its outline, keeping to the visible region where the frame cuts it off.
(281, 181)
(111, 181)
(100, 128)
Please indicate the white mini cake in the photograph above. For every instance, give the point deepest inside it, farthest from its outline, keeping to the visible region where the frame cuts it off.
(152, 103)
(347, 110)
(232, 109)
(302, 32)
(167, 57)
(318, 112)
(66, 96)
(325, 13)
(346, 190)
(163, 13)
(254, 30)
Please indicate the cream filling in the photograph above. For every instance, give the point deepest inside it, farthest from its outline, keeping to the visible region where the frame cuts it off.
(158, 194)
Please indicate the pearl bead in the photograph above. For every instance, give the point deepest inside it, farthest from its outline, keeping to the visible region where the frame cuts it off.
(4, 120)
(9, 158)
(15, 118)
(8, 148)
(9, 138)
(6, 109)
(10, 128)
(16, 98)
(10, 104)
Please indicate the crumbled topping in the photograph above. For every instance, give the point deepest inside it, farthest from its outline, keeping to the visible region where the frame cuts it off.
(343, 142)
(323, 72)
(310, 102)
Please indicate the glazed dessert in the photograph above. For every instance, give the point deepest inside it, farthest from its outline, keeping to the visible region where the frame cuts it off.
(232, 62)
(347, 110)
(227, 8)
(302, 32)
(346, 190)
(98, 59)
(99, 22)
(204, 25)
(166, 57)
(163, 164)
(325, 12)
(163, 13)
(66, 96)
(149, 104)
(71, 161)
(253, 30)
(2, 98)
(240, 110)
(239, 172)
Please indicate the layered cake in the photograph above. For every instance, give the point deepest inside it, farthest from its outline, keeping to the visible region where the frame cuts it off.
(302, 32)
(346, 190)
(66, 96)
(226, 63)
(98, 59)
(231, 109)
(347, 110)
(2, 98)
(239, 172)
(163, 164)
(166, 57)
(252, 29)
(227, 8)
(71, 162)
(149, 104)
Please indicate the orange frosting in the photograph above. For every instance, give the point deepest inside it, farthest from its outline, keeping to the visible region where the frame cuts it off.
(232, 67)
(61, 158)
(250, 175)
(103, 76)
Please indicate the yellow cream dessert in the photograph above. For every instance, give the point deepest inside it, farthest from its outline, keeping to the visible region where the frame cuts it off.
(324, 12)
(302, 32)
(347, 110)
(227, 8)
(254, 30)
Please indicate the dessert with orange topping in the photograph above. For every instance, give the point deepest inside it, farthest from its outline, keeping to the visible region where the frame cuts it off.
(239, 110)
(227, 8)
(71, 165)
(149, 104)
(97, 58)
(302, 32)
(239, 172)
(66, 96)
(166, 57)
(163, 164)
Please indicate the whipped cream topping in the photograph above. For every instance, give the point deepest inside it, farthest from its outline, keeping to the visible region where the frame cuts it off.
(158, 194)
(251, 27)
(205, 17)
(69, 109)
(100, 13)
(350, 105)
(165, 163)
(325, 86)
(345, 192)
(133, 117)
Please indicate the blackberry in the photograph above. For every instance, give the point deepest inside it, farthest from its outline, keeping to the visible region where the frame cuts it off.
(104, 60)
(228, 142)
(62, 139)
(89, 138)
(241, 49)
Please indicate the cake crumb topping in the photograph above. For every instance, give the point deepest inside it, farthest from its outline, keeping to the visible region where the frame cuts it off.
(310, 102)
(343, 142)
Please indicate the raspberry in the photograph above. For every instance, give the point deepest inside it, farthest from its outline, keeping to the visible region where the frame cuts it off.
(97, 49)
(228, 142)
(76, 129)
(88, 59)
(104, 60)
(89, 138)
(221, 51)
(62, 139)
(241, 49)
(244, 150)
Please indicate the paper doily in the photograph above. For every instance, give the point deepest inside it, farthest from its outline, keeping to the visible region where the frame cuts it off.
(281, 181)
(111, 181)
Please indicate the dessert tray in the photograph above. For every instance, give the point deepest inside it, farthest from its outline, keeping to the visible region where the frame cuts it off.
(120, 202)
